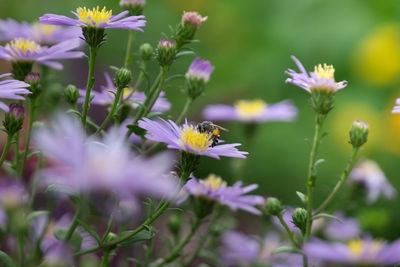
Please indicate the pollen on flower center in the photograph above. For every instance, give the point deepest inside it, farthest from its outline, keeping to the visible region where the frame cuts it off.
(127, 92)
(196, 140)
(250, 108)
(355, 247)
(214, 182)
(325, 71)
(94, 16)
(22, 44)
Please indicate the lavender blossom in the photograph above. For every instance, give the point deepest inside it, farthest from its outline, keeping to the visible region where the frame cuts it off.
(200, 70)
(107, 95)
(369, 175)
(27, 50)
(12, 89)
(346, 229)
(214, 188)
(41, 34)
(355, 252)
(88, 164)
(188, 138)
(322, 78)
(396, 108)
(251, 111)
(96, 18)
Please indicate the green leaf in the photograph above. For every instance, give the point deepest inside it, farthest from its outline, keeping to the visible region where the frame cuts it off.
(77, 113)
(34, 153)
(145, 234)
(33, 215)
(184, 53)
(75, 241)
(90, 231)
(287, 250)
(326, 216)
(137, 130)
(5, 260)
(57, 188)
(302, 197)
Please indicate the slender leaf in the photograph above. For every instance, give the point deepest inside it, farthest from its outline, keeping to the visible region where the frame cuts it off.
(287, 250)
(326, 216)
(141, 236)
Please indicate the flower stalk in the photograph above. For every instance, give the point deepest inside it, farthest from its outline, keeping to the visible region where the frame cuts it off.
(32, 110)
(6, 148)
(90, 82)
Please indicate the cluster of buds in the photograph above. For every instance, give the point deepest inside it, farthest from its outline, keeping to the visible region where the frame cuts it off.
(14, 119)
(185, 32)
(135, 7)
(33, 79)
(359, 133)
(197, 76)
(166, 52)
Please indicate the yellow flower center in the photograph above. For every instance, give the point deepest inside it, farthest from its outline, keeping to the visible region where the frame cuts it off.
(127, 92)
(247, 109)
(26, 45)
(46, 30)
(196, 140)
(214, 182)
(94, 16)
(325, 71)
(357, 247)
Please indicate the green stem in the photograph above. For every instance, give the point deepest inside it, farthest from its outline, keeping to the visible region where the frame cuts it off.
(90, 83)
(185, 110)
(319, 119)
(128, 56)
(16, 152)
(106, 258)
(112, 111)
(290, 233)
(177, 250)
(74, 224)
(32, 108)
(6, 149)
(340, 183)
(21, 249)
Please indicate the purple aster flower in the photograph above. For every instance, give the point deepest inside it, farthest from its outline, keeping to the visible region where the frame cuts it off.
(322, 78)
(346, 229)
(200, 70)
(239, 249)
(96, 18)
(41, 34)
(355, 252)
(107, 95)
(369, 175)
(214, 188)
(12, 89)
(22, 49)
(396, 109)
(88, 164)
(251, 111)
(188, 138)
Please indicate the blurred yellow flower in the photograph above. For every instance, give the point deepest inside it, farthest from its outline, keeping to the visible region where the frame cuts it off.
(377, 57)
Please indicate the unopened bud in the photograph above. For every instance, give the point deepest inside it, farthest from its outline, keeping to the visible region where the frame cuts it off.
(166, 52)
(185, 32)
(174, 224)
(274, 206)
(122, 78)
(359, 133)
(146, 51)
(299, 217)
(33, 79)
(14, 119)
(197, 76)
(135, 7)
(71, 94)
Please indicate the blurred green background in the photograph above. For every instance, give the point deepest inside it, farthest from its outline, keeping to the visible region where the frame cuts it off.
(250, 43)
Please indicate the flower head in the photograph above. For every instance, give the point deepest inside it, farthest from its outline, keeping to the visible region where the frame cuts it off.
(200, 70)
(216, 189)
(12, 89)
(96, 17)
(369, 176)
(355, 252)
(321, 79)
(107, 93)
(88, 164)
(188, 138)
(193, 18)
(251, 111)
(27, 50)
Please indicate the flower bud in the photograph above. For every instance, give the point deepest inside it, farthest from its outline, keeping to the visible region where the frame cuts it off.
(299, 217)
(322, 101)
(14, 119)
(71, 94)
(174, 224)
(185, 32)
(274, 206)
(146, 51)
(166, 52)
(122, 78)
(197, 76)
(33, 79)
(135, 7)
(359, 133)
